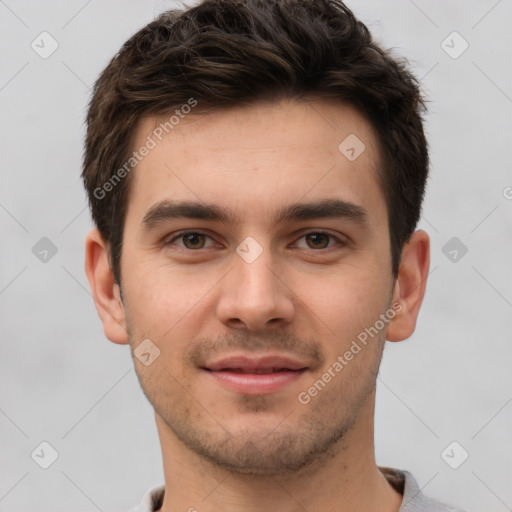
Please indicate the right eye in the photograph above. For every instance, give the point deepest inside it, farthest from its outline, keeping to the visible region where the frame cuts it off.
(191, 240)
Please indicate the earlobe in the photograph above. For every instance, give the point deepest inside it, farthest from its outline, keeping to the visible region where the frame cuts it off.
(105, 291)
(410, 286)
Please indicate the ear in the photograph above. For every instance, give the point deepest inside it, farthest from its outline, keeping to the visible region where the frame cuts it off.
(410, 286)
(105, 291)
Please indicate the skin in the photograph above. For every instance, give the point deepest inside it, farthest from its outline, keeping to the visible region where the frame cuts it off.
(305, 296)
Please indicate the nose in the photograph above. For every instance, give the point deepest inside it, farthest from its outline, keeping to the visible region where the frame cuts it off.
(254, 296)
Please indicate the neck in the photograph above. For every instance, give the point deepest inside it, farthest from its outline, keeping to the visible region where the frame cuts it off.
(345, 479)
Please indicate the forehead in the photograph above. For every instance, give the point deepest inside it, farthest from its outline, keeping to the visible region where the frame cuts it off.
(257, 158)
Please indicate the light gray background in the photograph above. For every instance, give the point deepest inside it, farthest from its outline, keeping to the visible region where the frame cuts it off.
(62, 382)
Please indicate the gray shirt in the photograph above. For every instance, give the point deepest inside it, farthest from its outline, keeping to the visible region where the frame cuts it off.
(403, 481)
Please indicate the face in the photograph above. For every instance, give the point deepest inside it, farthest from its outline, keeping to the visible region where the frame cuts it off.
(255, 254)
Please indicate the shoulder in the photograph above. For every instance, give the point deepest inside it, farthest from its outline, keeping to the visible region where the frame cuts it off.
(152, 500)
(413, 498)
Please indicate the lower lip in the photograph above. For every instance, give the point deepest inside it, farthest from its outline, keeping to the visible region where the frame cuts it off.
(255, 383)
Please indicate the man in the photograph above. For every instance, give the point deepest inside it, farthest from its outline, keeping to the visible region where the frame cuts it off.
(255, 171)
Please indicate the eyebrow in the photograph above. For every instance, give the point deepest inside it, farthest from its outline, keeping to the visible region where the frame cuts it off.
(329, 208)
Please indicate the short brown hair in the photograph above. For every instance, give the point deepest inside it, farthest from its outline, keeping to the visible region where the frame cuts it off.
(226, 53)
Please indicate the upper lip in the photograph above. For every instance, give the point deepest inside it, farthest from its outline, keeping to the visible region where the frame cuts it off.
(253, 363)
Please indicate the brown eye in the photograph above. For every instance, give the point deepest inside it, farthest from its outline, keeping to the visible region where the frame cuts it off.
(318, 240)
(193, 240)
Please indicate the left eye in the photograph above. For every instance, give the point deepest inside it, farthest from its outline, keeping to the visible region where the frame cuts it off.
(318, 240)
(194, 240)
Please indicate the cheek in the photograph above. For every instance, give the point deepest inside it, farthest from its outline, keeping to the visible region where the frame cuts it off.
(347, 303)
(164, 301)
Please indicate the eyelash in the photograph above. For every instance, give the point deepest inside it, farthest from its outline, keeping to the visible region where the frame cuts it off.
(182, 234)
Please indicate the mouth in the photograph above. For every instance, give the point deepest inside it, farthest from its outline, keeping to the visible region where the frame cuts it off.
(255, 376)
